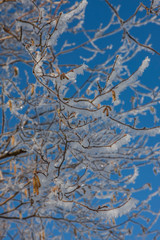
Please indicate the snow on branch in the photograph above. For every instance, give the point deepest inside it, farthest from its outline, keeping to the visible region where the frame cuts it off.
(132, 80)
(63, 21)
(122, 210)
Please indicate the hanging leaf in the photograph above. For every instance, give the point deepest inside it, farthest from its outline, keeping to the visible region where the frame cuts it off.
(58, 71)
(106, 109)
(63, 76)
(152, 109)
(26, 192)
(43, 235)
(12, 140)
(99, 105)
(32, 89)
(38, 181)
(1, 175)
(119, 173)
(55, 188)
(58, 111)
(15, 71)
(10, 105)
(75, 231)
(132, 99)
(15, 169)
(59, 149)
(32, 42)
(10, 164)
(144, 229)
(149, 185)
(113, 95)
(114, 198)
(20, 215)
(113, 220)
(155, 171)
(88, 91)
(36, 184)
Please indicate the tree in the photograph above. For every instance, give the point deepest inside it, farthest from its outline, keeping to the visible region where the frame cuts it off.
(74, 140)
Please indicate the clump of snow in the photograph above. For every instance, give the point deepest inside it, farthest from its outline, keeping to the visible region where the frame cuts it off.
(64, 20)
(120, 211)
(133, 79)
(156, 3)
(134, 176)
(124, 140)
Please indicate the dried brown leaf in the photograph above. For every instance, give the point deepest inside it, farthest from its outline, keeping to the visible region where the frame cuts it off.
(12, 140)
(43, 235)
(55, 188)
(32, 89)
(113, 95)
(26, 192)
(104, 110)
(20, 215)
(10, 165)
(99, 105)
(1, 175)
(107, 112)
(15, 169)
(75, 231)
(15, 71)
(114, 198)
(152, 109)
(10, 105)
(32, 42)
(36, 184)
(58, 71)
